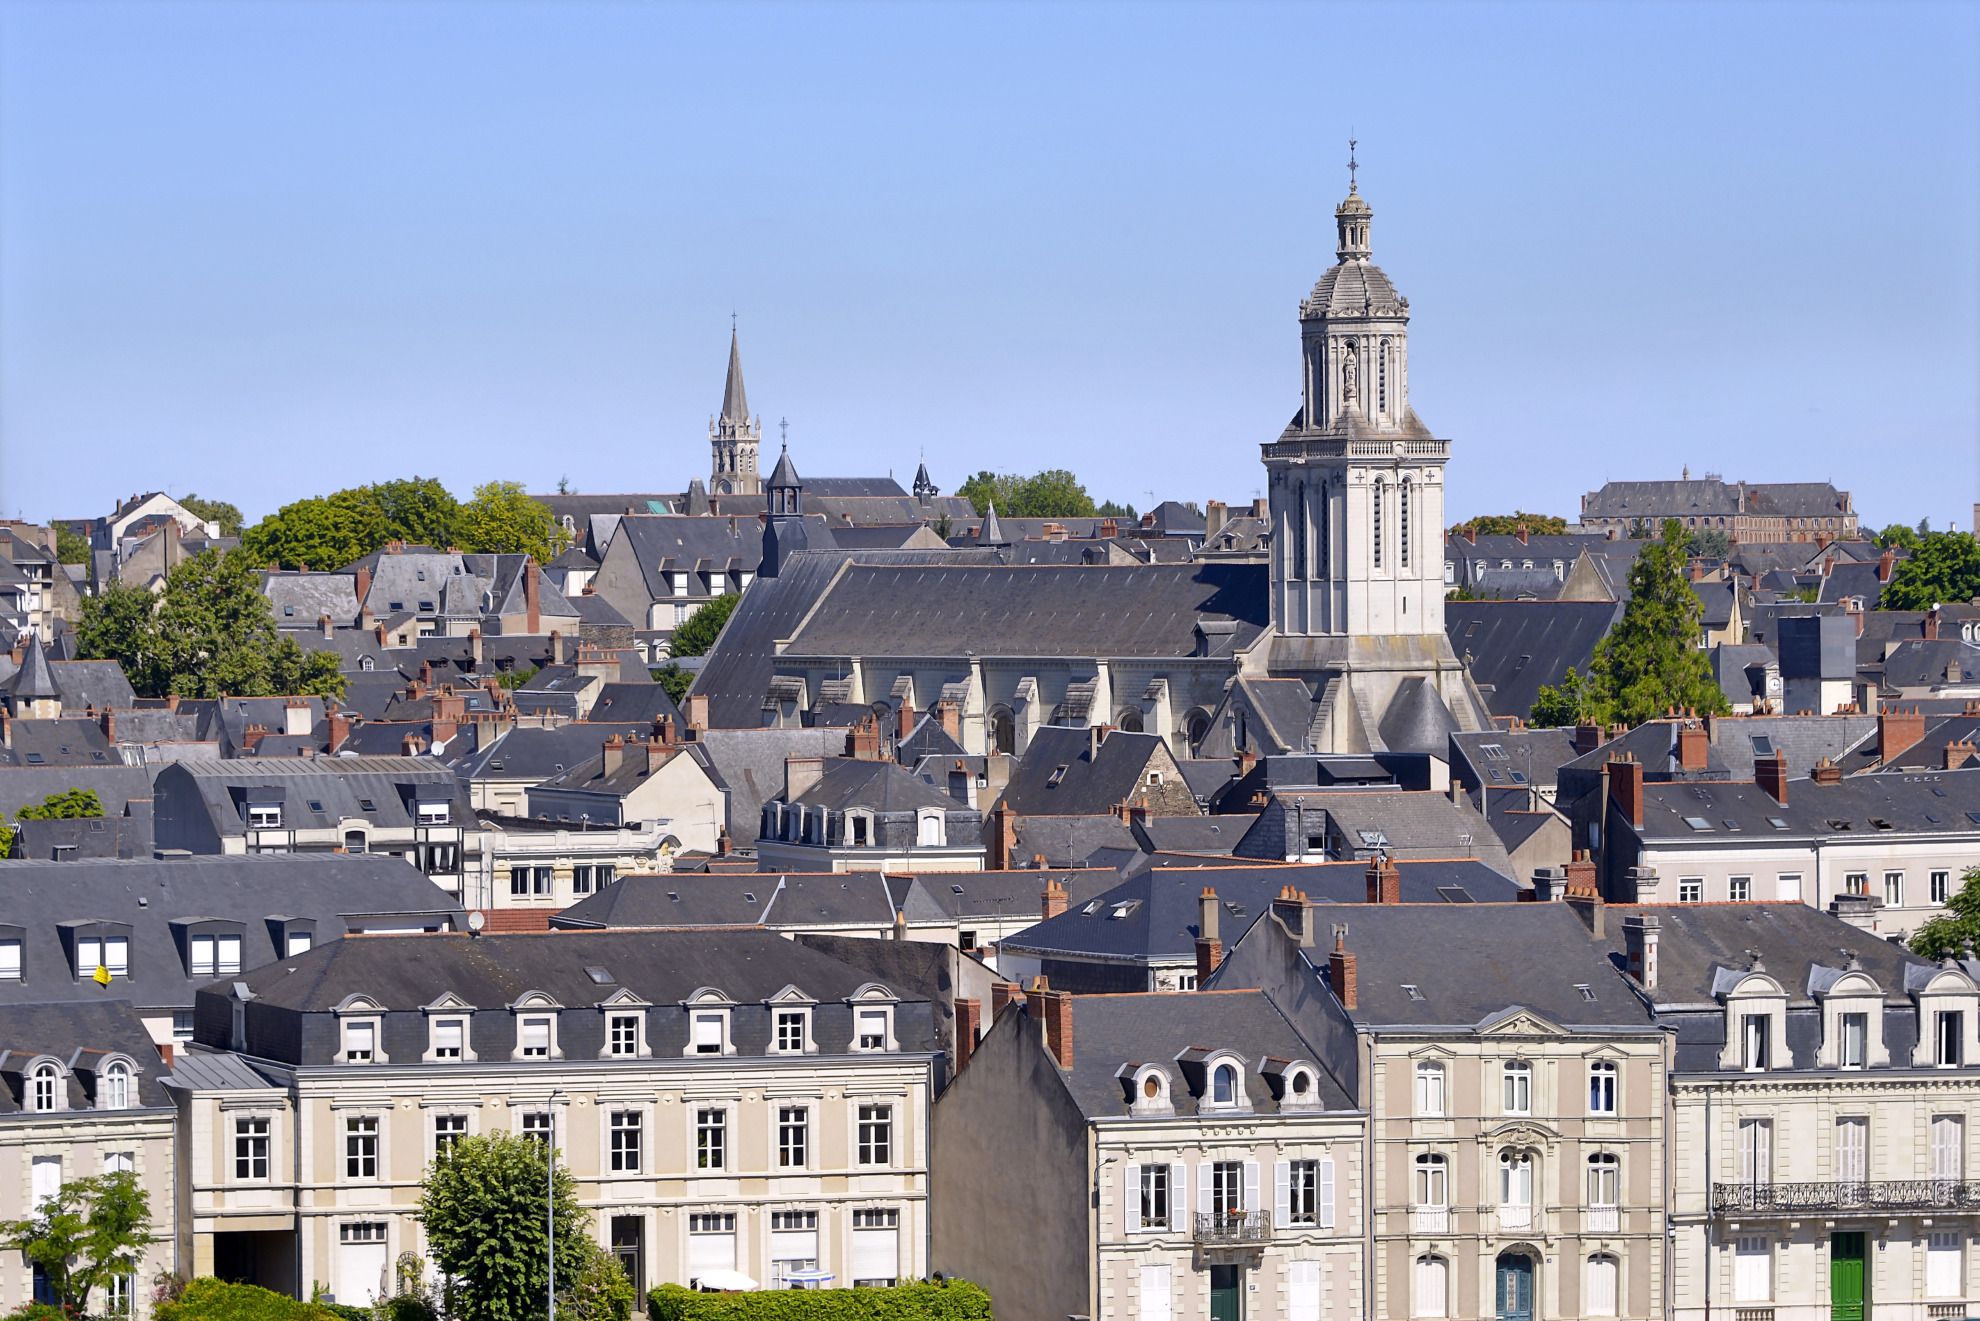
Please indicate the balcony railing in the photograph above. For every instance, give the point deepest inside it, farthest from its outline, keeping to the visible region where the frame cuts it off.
(1514, 1218)
(1430, 1220)
(1601, 1219)
(1834, 1195)
(1233, 1228)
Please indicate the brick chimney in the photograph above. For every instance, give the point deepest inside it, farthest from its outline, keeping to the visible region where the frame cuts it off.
(1626, 787)
(1001, 995)
(1884, 564)
(362, 584)
(1957, 753)
(969, 1025)
(1384, 880)
(1898, 730)
(904, 719)
(1694, 746)
(697, 712)
(1053, 901)
(663, 730)
(1825, 771)
(109, 722)
(863, 744)
(1003, 838)
(1209, 949)
(951, 716)
(251, 737)
(1095, 736)
(449, 710)
(1587, 738)
(1521, 533)
(474, 646)
(1294, 910)
(1583, 895)
(6, 730)
(1771, 774)
(298, 718)
(533, 596)
(340, 730)
(1059, 1027)
(1929, 626)
(1640, 949)
(615, 754)
(1340, 971)
(1471, 534)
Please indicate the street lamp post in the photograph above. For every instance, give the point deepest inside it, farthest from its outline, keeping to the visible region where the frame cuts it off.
(550, 1206)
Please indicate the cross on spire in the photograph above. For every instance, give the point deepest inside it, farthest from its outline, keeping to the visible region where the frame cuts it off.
(784, 431)
(1351, 162)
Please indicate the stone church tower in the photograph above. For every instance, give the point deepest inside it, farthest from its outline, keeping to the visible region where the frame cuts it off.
(733, 436)
(1356, 486)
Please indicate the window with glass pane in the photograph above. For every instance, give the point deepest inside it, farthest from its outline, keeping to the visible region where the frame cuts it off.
(44, 1088)
(793, 1137)
(1948, 1038)
(1691, 890)
(447, 1130)
(708, 1033)
(1303, 1192)
(1756, 1151)
(1855, 1040)
(1948, 1147)
(711, 1139)
(1739, 889)
(1433, 1183)
(625, 1140)
(1856, 882)
(1227, 1187)
(536, 1125)
(1602, 1075)
(297, 942)
(1515, 1178)
(360, 1042)
(118, 1292)
(1429, 1090)
(1894, 889)
(251, 1147)
(1155, 1197)
(1941, 886)
(1755, 1042)
(536, 1038)
(449, 1038)
(116, 1091)
(790, 1031)
(10, 960)
(1604, 1179)
(873, 1029)
(625, 1034)
(361, 1147)
(1517, 1077)
(876, 1135)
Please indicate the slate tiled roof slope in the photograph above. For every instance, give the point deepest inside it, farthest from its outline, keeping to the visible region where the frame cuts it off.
(1697, 942)
(1086, 610)
(325, 889)
(193, 796)
(82, 1035)
(1714, 497)
(1514, 647)
(114, 785)
(1906, 803)
(1110, 1031)
(1062, 775)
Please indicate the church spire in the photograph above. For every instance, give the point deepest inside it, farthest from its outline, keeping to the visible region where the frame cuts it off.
(735, 403)
(733, 435)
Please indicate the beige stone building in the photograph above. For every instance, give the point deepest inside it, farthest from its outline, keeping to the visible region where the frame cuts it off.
(714, 1121)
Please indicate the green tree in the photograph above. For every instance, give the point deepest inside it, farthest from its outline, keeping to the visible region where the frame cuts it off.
(68, 805)
(208, 1299)
(1944, 568)
(1114, 509)
(503, 519)
(1507, 525)
(600, 1291)
(71, 547)
(210, 633)
(1570, 702)
(695, 637)
(418, 511)
(322, 532)
(1900, 536)
(674, 679)
(1650, 661)
(1953, 932)
(214, 511)
(90, 1232)
(1708, 543)
(484, 1209)
(1052, 493)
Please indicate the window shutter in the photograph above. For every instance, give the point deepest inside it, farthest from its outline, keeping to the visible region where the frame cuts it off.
(1154, 1293)
(1303, 1291)
(1326, 1192)
(1132, 1199)
(1179, 1197)
(1281, 1193)
(1251, 1186)
(1203, 1188)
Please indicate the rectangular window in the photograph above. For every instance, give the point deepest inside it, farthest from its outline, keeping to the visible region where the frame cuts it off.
(1948, 1147)
(433, 813)
(1602, 1079)
(264, 816)
(536, 1038)
(182, 1025)
(711, 1139)
(360, 1042)
(790, 1031)
(298, 942)
(45, 1180)
(873, 1029)
(625, 1035)
(447, 1130)
(1303, 1192)
(793, 1137)
(1945, 1265)
(1227, 1188)
(1755, 1042)
(1753, 1270)
(1949, 1038)
(1756, 1152)
(876, 1247)
(251, 1148)
(361, 1147)
(876, 1135)
(1852, 1149)
(1857, 883)
(625, 1135)
(1691, 890)
(589, 878)
(449, 1038)
(1517, 1078)
(1429, 1091)
(1941, 886)
(1154, 1194)
(536, 1125)
(793, 1246)
(1739, 889)
(1787, 888)
(708, 1034)
(10, 961)
(111, 953)
(532, 882)
(1855, 1041)
(1894, 889)
(711, 1244)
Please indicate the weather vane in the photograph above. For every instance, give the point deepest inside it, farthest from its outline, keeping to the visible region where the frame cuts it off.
(1351, 164)
(784, 430)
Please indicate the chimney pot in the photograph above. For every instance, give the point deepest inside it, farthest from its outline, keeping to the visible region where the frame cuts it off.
(1341, 972)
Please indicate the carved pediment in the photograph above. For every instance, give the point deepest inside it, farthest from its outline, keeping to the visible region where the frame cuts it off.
(1516, 1021)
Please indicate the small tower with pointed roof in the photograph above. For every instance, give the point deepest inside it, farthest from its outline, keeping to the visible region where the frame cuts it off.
(991, 534)
(32, 692)
(734, 435)
(925, 488)
(785, 529)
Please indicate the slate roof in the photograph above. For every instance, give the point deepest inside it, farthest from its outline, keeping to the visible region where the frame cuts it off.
(853, 486)
(662, 544)
(635, 702)
(1204, 835)
(83, 1036)
(1160, 922)
(1530, 756)
(927, 739)
(1737, 741)
(326, 889)
(1908, 803)
(881, 786)
(1514, 647)
(72, 742)
(1697, 942)
(1073, 841)
(1057, 611)
(1085, 784)
(114, 784)
(186, 790)
(33, 681)
(1111, 1032)
(301, 599)
(748, 765)
(1713, 497)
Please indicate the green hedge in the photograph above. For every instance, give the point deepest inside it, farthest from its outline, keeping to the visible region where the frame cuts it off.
(208, 1299)
(952, 1300)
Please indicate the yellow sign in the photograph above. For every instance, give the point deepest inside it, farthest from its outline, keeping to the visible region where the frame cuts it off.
(101, 976)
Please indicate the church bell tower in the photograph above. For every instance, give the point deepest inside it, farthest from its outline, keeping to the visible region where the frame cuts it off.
(733, 435)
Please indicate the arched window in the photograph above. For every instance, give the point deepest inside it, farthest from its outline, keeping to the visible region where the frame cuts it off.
(1433, 1287)
(1381, 495)
(1223, 1085)
(1604, 1179)
(1600, 1285)
(116, 1087)
(931, 832)
(1003, 731)
(1518, 1088)
(42, 1089)
(1402, 521)
(1515, 1180)
(1429, 1089)
(1432, 1187)
(366, 664)
(1382, 379)
(1322, 547)
(1299, 532)
(1602, 1087)
(1196, 727)
(1128, 720)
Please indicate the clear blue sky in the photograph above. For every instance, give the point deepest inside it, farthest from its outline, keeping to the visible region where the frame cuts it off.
(261, 251)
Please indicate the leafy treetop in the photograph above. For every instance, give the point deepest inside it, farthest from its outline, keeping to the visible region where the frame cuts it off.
(483, 1211)
(698, 634)
(1507, 525)
(1956, 930)
(91, 1231)
(214, 511)
(1053, 493)
(1945, 567)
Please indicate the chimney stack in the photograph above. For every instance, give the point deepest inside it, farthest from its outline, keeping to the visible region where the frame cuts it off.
(1898, 731)
(1583, 895)
(1626, 787)
(1054, 900)
(969, 1026)
(474, 646)
(1694, 746)
(1209, 949)
(1825, 771)
(1384, 880)
(1770, 773)
(1003, 838)
(340, 730)
(800, 773)
(1340, 971)
(951, 716)
(1957, 753)
(533, 597)
(1096, 735)
(361, 581)
(328, 627)
(1640, 949)
(904, 719)
(1001, 994)
(697, 712)
(1587, 738)
(1294, 910)
(1929, 626)
(615, 754)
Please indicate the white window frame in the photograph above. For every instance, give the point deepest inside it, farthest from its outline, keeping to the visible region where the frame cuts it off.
(363, 1160)
(617, 1020)
(13, 960)
(528, 1022)
(1604, 1088)
(1753, 1269)
(865, 1017)
(368, 1026)
(712, 1122)
(780, 1017)
(436, 1023)
(118, 1086)
(1432, 1089)
(47, 1088)
(1516, 1087)
(880, 1151)
(785, 1127)
(619, 1121)
(254, 1147)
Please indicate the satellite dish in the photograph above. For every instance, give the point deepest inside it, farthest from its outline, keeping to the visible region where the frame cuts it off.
(476, 921)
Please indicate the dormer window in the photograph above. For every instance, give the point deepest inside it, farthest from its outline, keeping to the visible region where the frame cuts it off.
(870, 1028)
(711, 1027)
(1949, 1038)
(1151, 1092)
(115, 1093)
(264, 816)
(214, 954)
(625, 1034)
(449, 1038)
(533, 1036)
(434, 812)
(1224, 1085)
(1755, 1042)
(45, 1089)
(12, 965)
(361, 1041)
(1855, 1040)
(793, 1030)
(111, 953)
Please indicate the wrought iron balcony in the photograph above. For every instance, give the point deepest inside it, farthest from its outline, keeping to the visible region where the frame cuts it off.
(1835, 1195)
(1231, 1229)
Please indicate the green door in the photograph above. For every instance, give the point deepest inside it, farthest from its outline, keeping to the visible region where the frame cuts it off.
(1226, 1293)
(1846, 1277)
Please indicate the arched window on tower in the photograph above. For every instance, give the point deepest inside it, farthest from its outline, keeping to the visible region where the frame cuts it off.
(1381, 495)
(1382, 379)
(1402, 520)
(1299, 531)
(1323, 547)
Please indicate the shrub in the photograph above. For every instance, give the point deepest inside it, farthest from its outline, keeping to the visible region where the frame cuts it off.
(951, 1300)
(41, 1312)
(207, 1299)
